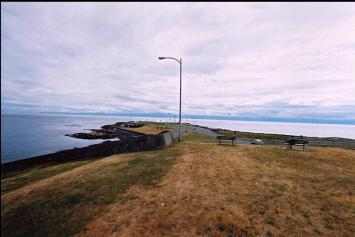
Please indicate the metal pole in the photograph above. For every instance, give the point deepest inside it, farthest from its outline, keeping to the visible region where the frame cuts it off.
(180, 62)
(180, 102)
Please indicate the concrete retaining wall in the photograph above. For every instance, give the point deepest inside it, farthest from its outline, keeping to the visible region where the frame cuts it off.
(169, 137)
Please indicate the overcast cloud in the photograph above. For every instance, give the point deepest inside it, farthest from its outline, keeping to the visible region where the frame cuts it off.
(283, 60)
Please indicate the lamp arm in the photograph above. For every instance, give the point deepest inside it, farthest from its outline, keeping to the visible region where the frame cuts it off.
(173, 59)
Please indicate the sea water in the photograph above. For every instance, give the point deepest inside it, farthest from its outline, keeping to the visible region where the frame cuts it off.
(24, 136)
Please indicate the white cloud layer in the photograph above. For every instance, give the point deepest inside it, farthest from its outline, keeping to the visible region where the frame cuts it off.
(289, 60)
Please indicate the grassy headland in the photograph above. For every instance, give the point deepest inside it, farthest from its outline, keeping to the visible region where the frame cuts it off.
(192, 188)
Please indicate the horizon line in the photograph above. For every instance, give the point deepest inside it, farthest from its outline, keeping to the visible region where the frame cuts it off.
(191, 116)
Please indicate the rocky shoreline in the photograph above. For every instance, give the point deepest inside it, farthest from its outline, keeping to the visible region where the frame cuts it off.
(111, 131)
(127, 141)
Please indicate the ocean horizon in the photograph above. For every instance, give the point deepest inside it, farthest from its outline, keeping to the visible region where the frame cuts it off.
(24, 136)
(216, 117)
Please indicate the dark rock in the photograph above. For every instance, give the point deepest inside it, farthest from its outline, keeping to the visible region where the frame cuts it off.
(111, 131)
(93, 135)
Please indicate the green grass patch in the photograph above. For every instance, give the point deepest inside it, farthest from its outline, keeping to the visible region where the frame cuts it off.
(161, 124)
(198, 137)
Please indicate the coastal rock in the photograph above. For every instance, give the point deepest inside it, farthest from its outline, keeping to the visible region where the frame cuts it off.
(111, 131)
(93, 135)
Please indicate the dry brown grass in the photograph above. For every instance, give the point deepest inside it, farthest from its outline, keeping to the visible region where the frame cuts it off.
(62, 204)
(217, 190)
(208, 190)
(148, 129)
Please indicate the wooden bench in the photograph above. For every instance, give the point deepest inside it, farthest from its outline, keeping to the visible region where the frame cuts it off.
(296, 142)
(226, 138)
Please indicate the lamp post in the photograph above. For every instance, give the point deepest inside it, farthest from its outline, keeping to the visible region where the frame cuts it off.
(180, 62)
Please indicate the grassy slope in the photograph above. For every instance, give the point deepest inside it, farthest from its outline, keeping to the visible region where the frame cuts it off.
(193, 188)
(224, 190)
(61, 205)
(15, 180)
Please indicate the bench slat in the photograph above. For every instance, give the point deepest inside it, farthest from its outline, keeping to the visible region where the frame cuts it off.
(226, 138)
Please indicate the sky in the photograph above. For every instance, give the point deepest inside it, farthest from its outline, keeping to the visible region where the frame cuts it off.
(275, 60)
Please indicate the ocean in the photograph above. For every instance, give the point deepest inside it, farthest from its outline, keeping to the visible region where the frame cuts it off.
(24, 136)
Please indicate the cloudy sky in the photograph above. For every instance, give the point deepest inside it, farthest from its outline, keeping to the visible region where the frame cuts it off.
(281, 60)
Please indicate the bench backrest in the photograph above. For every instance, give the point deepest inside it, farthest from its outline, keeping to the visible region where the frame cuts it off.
(293, 141)
(226, 138)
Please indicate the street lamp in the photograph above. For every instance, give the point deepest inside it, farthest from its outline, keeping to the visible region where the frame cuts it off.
(180, 62)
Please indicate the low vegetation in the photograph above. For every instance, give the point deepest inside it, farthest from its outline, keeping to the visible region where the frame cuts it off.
(152, 129)
(193, 188)
(193, 136)
(62, 204)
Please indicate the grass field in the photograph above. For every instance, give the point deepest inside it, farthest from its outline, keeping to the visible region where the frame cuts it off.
(150, 129)
(193, 188)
